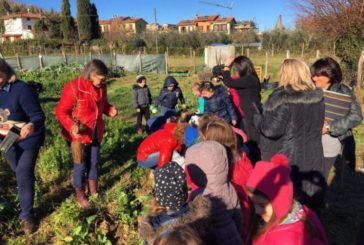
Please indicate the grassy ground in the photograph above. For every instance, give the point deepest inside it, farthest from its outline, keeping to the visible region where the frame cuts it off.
(125, 188)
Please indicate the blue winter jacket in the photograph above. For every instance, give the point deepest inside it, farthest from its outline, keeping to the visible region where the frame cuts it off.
(220, 105)
(168, 98)
(22, 102)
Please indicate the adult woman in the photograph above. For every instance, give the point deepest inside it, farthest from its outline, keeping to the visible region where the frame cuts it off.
(291, 124)
(20, 101)
(326, 73)
(80, 109)
(247, 86)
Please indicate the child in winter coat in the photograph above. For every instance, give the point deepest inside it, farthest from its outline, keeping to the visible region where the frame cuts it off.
(171, 209)
(218, 104)
(208, 167)
(280, 219)
(161, 146)
(240, 167)
(141, 100)
(169, 95)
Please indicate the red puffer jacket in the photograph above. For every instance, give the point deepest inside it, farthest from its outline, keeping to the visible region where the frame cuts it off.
(161, 141)
(81, 101)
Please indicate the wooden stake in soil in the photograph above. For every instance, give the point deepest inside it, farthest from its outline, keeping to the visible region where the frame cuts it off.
(194, 61)
(41, 64)
(303, 50)
(288, 55)
(166, 60)
(248, 52)
(18, 62)
(266, 65)
(360, 71)
(318, 54)
(140, 62)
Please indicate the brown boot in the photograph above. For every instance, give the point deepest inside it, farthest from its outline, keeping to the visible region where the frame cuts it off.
(81, 198)
(28, 226)
(92, 187)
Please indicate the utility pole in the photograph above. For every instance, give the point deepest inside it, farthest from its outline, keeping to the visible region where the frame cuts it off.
(156, 34)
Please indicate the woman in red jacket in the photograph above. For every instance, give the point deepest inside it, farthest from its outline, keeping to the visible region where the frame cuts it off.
(280, 219)
(80, 109)
(161, 146)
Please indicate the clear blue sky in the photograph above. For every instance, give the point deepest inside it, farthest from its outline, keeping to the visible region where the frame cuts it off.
(264, 12)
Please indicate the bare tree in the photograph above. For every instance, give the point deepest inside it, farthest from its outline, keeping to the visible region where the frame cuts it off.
(329, 18)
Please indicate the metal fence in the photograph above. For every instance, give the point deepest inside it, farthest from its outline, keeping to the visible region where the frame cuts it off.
(133, 63)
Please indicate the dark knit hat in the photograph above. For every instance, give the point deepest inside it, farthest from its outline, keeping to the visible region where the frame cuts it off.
(139, 78)
(170, 186)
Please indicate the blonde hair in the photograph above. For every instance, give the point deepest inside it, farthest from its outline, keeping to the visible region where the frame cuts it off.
(179, 132)
(296, 73)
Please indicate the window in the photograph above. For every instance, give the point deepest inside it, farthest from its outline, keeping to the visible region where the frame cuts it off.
(28, 19)
(29, 27)
(183, 29)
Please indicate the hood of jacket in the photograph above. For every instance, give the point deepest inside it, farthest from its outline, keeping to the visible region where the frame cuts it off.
(289, 96)
(274, 181)
(208, 168)
(169, 81)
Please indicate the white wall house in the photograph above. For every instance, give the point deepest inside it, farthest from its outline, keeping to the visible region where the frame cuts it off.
(19, 26)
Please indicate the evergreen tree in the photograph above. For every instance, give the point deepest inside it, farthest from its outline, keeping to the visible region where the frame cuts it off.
(95, 26)
(67, 22)
(4, 9)
(84, 20)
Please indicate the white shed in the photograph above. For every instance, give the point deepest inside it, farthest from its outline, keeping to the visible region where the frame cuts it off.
(216, 54)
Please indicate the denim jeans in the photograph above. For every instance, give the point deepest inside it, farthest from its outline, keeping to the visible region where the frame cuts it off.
(22, 162)
(164, 110)
(152, 160)
(88, 169)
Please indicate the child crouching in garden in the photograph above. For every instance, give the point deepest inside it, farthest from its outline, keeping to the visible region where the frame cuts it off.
(170, 211)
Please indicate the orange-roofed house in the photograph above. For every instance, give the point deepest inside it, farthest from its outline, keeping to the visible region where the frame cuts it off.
(19, 26)
(210, 23)
(125, 24)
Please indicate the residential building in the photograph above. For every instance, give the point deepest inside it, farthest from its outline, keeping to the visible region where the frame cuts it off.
(245, 26)
(211, 23)
(128, 25)
(169, 28)
(153, 27)
(19, 26)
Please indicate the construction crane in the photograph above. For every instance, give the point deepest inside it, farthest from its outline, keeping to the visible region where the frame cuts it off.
(219, 5)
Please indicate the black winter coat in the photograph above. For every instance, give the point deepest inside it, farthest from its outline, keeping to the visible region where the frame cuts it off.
(342, 127)
(248, 89)
(220, 105)
(141, 96)
(291, 124)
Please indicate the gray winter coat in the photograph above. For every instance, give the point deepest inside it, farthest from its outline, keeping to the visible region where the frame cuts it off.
(141, 96)
(208, 168)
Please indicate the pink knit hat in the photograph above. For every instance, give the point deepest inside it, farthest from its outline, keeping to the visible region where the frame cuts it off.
(273, 180)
